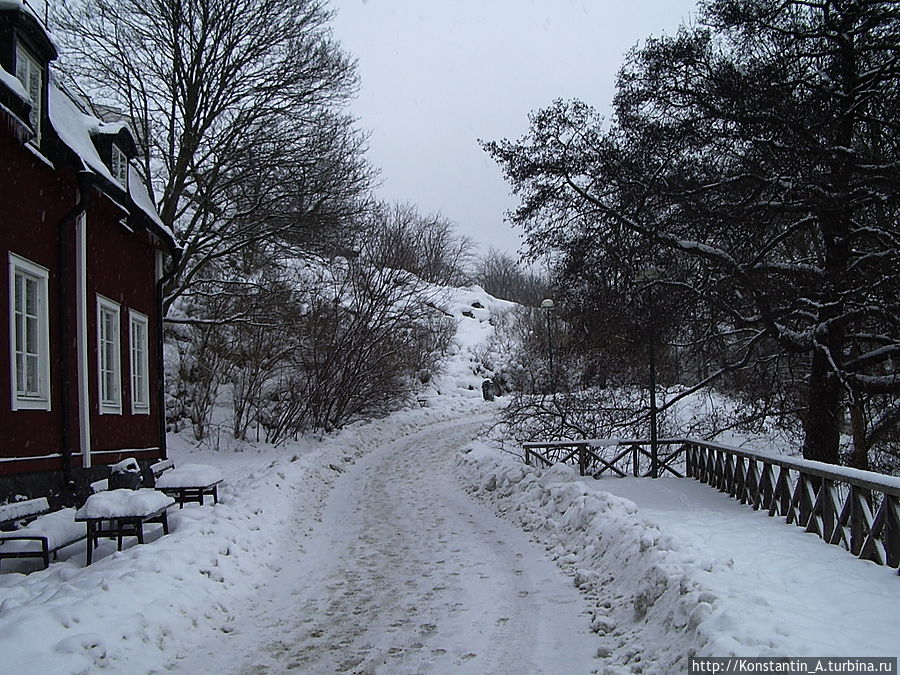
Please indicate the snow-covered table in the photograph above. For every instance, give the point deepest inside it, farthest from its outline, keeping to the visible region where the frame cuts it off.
(122, 513)
(187, 483)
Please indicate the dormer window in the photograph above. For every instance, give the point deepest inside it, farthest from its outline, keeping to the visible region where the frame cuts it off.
(118, 165)
(31, 75)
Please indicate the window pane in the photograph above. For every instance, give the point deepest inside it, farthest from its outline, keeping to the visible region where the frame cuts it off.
(20, 374)
(31, 292)
(31, 375)
(139, 392)
(20, 333)
(20, 280)
(34, 88)
(22, 67)
(29, 73)
(31, 335)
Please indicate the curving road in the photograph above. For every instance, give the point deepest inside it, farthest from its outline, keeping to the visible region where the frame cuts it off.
(406, 574)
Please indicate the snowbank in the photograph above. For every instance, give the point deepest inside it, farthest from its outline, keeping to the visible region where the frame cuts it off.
(637, 575)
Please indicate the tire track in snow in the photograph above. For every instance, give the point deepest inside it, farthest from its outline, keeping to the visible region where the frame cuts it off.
(406, 574)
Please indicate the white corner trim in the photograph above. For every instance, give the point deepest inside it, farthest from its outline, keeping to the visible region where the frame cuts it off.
(83, 366)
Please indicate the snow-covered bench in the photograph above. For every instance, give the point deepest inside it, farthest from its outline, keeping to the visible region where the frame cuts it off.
(187, 483)
(45, 532)
(116, 514)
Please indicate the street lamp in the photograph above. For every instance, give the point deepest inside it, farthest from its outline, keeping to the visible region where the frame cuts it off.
(548, 306)
(650, 275)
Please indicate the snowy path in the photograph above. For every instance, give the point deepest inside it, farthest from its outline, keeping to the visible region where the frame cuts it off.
(405, 573)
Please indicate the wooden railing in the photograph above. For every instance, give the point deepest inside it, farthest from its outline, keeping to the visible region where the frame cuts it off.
(622, 457)
(857, 510)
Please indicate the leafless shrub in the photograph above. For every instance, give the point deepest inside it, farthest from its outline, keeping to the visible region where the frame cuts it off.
(362, 335)
(427, 246)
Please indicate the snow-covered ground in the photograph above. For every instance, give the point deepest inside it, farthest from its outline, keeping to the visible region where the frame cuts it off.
(363, 553)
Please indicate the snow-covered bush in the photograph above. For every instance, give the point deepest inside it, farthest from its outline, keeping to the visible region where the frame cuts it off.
(364, 337)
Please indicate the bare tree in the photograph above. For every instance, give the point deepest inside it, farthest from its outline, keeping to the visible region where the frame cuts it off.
(503, 276)
(237, 103)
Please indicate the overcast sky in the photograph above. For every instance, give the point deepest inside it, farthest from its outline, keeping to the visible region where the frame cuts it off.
(437, 75)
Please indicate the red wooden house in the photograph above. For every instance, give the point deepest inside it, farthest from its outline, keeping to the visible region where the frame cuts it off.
(84, 249)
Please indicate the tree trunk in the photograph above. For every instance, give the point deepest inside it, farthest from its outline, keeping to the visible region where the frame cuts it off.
(822, 426)
(859, 457)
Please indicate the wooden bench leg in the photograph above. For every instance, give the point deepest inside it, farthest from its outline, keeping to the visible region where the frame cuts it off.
(165, 522)
(91, 542)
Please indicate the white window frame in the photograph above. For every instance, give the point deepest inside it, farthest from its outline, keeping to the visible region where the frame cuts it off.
(39, 397)
(109, 358)
(139, 345)
(31, 75)
(118, 165)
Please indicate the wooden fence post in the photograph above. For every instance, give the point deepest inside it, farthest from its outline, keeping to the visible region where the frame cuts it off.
(892, 530)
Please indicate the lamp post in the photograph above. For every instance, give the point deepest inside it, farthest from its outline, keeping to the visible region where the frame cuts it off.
(650, 275)
(548, 306)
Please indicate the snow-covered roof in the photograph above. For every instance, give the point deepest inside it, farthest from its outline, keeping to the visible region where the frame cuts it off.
(35, 10)
(12, 82)
(141, 198)
(114, 127)
(76, 128)
(19, 5)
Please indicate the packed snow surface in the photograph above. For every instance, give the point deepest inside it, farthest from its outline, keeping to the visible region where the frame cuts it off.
(402, 572)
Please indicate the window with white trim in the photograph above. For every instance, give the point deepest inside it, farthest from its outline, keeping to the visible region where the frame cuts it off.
(31, 75)
(118, 165)
(109, 368)
(29, 340)
(140, 380)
